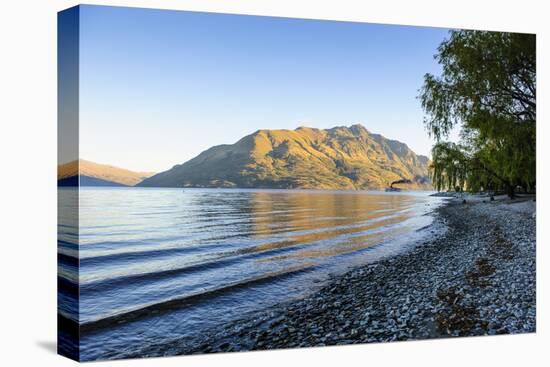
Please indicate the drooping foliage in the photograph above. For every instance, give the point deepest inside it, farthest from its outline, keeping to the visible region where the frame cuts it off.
(449, 166)
(488, 88)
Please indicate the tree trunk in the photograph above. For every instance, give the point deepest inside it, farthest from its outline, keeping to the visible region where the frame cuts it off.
(510, 190)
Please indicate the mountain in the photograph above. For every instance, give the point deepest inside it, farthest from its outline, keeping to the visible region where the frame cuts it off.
(337, 158)
(95, 174)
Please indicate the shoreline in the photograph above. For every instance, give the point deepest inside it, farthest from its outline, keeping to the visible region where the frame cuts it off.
(475, 278)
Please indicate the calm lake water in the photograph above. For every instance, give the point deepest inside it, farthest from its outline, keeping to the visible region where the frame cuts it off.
(158, 265)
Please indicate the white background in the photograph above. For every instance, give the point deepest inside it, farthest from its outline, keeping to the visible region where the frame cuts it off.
(28, 183)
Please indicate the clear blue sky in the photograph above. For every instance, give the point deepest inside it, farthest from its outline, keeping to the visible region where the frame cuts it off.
(158, 87)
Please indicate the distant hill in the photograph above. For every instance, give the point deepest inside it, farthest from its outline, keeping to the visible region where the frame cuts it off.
(337, 158)
(95, 174)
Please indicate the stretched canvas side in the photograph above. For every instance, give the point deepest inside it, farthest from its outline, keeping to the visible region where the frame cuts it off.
(68, 334)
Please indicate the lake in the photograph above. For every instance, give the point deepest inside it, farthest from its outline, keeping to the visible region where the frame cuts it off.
(158, 265)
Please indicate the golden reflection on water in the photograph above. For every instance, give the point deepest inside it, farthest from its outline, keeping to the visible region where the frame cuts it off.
(343, 222)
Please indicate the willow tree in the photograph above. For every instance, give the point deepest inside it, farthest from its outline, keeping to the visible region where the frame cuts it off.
(487, 87)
